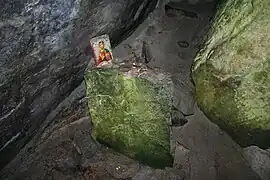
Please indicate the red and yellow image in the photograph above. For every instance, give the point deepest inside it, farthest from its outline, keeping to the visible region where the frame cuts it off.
(102, 50)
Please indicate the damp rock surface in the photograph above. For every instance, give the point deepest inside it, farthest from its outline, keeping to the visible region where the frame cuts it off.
(132, 114)
(232, 71)
(70, 152)
(44, 52)
(64, 149)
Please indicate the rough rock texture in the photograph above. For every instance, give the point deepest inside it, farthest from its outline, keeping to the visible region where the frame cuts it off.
(203, 151)
(44, 49)
(132, 114)
(259, 160)
(70, 152)
(64, 149)
(232, 71)
(183, 98)
(178, 119)
(160, 40)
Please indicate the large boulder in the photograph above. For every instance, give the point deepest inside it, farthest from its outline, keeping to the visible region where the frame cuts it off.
(232, 71)
(132, 114)
(44, 50)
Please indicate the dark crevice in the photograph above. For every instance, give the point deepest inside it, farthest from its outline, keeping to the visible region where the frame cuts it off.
(172, 11)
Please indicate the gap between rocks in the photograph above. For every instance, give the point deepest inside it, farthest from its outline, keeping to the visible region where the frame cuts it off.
(170, 41)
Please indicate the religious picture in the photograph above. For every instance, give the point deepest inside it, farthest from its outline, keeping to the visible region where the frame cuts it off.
(102, 50)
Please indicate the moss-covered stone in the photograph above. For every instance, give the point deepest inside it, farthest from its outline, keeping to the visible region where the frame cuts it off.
(232, 71)
(130, 115)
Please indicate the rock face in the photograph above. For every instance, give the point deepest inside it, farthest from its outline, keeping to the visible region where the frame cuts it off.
(259, 160)
(44, 52)
(203, 151)
(232, 71)
(132, 114)
(70, 152)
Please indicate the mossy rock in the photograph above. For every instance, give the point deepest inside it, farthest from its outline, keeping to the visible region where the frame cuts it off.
(131, 115)
(232, 71)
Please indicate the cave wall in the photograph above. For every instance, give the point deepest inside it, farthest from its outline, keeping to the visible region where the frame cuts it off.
(44, 51)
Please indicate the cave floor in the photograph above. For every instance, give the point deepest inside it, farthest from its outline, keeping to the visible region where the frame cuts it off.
(64, 148)
(203, 151)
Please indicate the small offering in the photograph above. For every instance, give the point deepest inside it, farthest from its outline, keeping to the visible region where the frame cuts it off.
(102, 50)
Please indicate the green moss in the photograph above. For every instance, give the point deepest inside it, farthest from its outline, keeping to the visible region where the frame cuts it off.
(130, 115)
(231, 72)
(216, 99)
